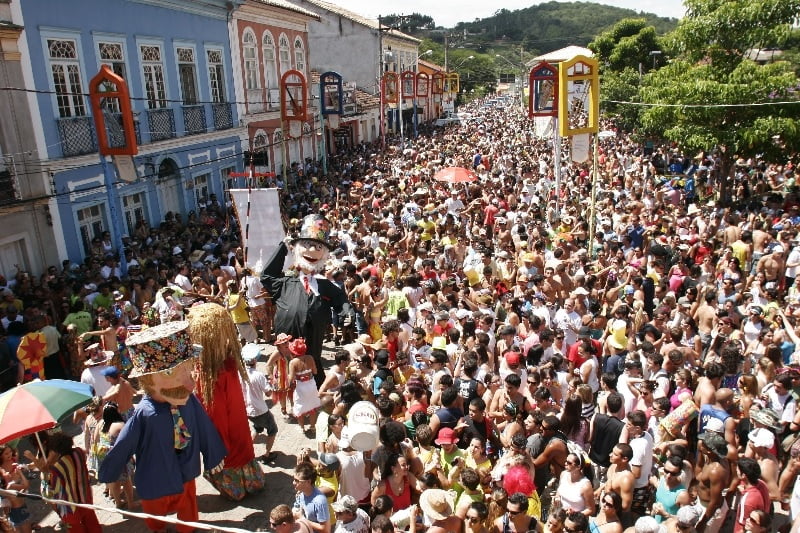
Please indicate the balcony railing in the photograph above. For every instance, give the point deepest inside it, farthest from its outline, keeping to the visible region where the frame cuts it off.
(77, 136)
(116, 137)
(223, 116)
(194, 119)
(162, 124)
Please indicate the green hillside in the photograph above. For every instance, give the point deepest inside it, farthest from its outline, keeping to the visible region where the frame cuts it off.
(548, 26)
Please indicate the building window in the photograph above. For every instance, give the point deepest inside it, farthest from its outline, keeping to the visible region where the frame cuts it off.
(112, 55)
(285, 57)
(225, 176)
(153, 75)
(216, 75)
(187, 75)
(133, 208)
(201, 190)
(250, 61)
(299, 55)
(270, 66)
(66, 71)
(91, 224)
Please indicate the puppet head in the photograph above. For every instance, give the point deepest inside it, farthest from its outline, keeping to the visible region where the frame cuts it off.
(311, 247)
(164, 360)
(212, 327)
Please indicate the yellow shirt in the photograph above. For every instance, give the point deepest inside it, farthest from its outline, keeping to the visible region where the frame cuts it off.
(239, 311)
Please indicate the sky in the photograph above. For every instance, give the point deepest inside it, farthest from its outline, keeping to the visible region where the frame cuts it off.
(448, 13)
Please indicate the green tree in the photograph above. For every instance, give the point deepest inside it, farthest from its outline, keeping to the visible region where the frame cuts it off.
(628, 44)
(621, 87)
(712, 96)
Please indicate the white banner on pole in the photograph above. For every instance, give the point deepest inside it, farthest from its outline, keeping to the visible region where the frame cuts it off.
(543, 127)
(262, 229)
(580, 147)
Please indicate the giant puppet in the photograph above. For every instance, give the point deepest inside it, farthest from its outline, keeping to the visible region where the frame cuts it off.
(220, 392)
(169, 430)
(303, 297)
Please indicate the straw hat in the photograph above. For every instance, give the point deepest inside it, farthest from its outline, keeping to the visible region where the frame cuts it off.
(437, 504)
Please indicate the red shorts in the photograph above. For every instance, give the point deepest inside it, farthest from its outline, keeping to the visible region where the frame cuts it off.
(185, 504)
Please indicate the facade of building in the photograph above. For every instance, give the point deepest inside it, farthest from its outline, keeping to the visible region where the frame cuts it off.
(175, 56)
(360, 50)
(27, 241)
(269, 38)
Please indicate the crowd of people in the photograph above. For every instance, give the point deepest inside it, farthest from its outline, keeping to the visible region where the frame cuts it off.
(534, 368)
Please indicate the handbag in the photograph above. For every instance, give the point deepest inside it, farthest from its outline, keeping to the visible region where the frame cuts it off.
(789, 441)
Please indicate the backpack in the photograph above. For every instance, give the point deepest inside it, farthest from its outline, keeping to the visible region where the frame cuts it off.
(385, 375)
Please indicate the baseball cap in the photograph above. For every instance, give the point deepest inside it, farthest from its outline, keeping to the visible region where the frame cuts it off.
(110, 372)
(585, 332)
(761, 438)
(346, 504)
(446, 436)
(715, 442)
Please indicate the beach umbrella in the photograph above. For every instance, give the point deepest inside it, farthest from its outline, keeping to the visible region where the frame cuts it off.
(40, 405)
(455, 175)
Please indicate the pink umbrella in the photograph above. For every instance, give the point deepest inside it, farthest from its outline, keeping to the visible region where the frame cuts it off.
(455, 175)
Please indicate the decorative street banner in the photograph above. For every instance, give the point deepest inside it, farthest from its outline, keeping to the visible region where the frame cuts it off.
(389, 83)
(438, 83)
(407, 81)
(579, 96)
(453, 82)
(543, 97)
(262, 231)
(580, 147)
(423, 84)
(330, 93)
(293, 96)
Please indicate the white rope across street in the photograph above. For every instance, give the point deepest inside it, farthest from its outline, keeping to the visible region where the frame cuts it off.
(143, 516)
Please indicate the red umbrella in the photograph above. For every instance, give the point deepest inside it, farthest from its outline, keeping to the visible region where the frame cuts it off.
(455, 175)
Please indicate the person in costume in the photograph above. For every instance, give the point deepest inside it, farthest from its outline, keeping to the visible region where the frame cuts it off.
(304, 298)
(278, 370)
(169, 429)
(301, 372)
(220, 392)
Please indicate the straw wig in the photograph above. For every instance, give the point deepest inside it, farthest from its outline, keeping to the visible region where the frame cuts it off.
(211, 326)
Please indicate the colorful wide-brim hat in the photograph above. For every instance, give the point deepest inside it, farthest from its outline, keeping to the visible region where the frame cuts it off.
(161, 348)
(315, 228)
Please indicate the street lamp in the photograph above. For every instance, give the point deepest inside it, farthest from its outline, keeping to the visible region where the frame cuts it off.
(463, 61)
(425, 53)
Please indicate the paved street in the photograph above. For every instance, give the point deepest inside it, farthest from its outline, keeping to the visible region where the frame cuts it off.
(250, 514)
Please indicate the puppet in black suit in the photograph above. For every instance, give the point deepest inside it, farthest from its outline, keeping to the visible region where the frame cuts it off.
(300, 310)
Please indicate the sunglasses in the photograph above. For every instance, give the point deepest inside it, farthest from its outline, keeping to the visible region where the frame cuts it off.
(474, 519)
(568, 529)
(514, 513)
(672, 472)
(274, 524)
(607, 503)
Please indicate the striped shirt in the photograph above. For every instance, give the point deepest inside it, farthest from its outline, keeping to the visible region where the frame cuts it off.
(69, 481)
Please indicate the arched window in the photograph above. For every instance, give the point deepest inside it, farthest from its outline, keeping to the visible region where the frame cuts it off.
(285, 57)
(270, 65)
(299, 55)
(250, 60)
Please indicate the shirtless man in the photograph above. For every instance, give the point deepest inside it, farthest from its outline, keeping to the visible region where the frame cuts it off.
(121, 391)
(761, 441)
(554, 454)
(707, 386)
(621, 480)
(732, 232)
(773, 266)
(706, 315)
(363, 301)
(760, 240)
(107, 334)
(713, 476)
(551, 288)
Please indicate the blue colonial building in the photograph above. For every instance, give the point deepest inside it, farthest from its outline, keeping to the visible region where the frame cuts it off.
(175, 56)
